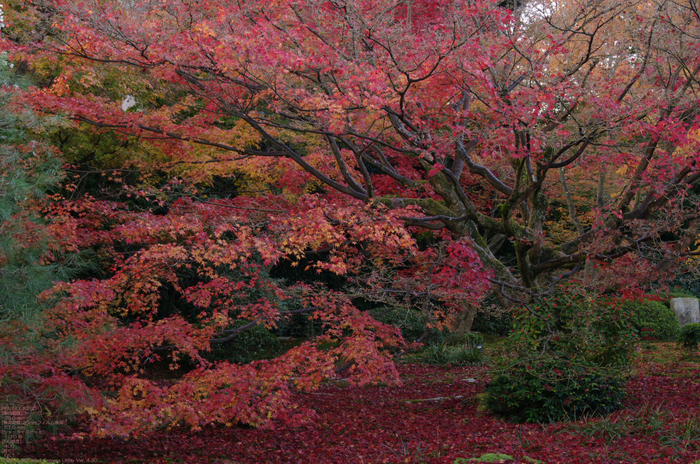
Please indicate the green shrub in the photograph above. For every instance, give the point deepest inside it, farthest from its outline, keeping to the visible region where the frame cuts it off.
(492, 319)
(567, 356)
(549, 389)
(686, 285)
(652, 319)
(411, 323)
(249, 345)
(469, 340)
(689, 337)
(493, 325)
(680, 294)
(572, 322)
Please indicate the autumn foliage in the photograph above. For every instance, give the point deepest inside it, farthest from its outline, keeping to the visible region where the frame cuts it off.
(108, 331)
(434, 418)
(422, 153)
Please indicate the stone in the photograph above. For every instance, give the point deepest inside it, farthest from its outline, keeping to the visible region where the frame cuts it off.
(687, 310)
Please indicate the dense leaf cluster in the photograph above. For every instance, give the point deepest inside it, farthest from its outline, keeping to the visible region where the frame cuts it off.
(689, 337)
(651, 318)
(551, 389)
(567, 357)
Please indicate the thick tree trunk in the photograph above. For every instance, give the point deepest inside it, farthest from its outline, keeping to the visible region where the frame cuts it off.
(462, 322)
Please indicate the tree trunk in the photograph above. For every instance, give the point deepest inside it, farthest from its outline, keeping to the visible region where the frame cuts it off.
(461, 323)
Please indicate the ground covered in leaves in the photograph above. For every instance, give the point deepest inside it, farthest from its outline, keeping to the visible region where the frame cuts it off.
(434, 418)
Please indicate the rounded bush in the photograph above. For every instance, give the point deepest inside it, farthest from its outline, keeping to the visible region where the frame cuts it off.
(571, 322)
(689, 337)
(552, 389)
(567, 357)
(652, 319)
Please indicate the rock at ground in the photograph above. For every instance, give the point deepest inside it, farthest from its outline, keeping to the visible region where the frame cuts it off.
(686, 309)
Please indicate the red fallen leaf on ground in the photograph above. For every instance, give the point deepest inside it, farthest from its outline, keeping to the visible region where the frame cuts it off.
(424, 421)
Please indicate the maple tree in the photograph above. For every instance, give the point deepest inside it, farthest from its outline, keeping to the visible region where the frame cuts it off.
(467, 112)
(368, 121)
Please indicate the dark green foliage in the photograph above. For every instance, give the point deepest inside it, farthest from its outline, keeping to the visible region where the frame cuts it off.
(493, 325)
(652, 319)
(441, 346)
(689, 337)
(571, 322)
(438, 354)
(492, 319)
(29, 264)
(469, 349)
(567, 357)
(249, 345)
(678, 293)
(548, 389)
(467, 340)
(304, 271)
(686, 286)
(299, 326)
(468, 356)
